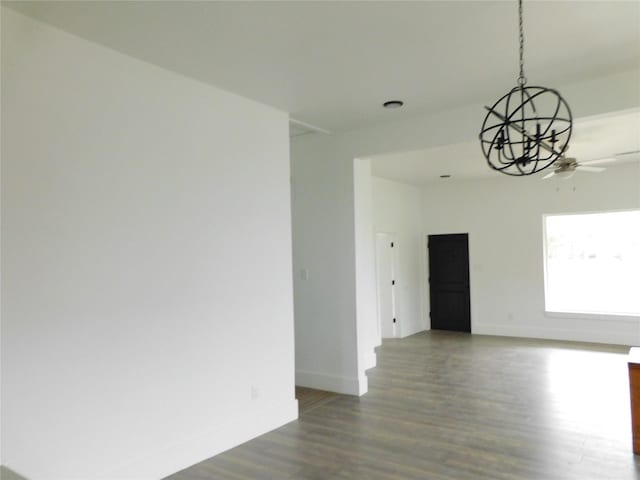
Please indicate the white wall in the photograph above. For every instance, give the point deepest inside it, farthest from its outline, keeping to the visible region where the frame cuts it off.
(366, 311)
(328, 354)
(147, 317)
(397, 208)
(504, 220)
(323, 247)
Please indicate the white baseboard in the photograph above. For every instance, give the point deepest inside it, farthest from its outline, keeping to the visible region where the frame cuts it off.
(615, 336)
(370, 360)
(363, 384)
(412, 331)
(330, 383)
(228, 434)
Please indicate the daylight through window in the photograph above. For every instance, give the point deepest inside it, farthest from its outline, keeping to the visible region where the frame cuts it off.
(592, 263)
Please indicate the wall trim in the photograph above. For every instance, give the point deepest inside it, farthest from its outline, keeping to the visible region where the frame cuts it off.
(413, 331)
(370, 360)
(330, 383)
(606, 335)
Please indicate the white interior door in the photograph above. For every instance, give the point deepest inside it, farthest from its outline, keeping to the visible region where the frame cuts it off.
(386, 285)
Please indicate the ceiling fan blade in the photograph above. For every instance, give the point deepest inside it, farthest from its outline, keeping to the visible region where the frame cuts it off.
(628, 156)
(548, 175)
(599, 161)
(583, 168)
(631, 156)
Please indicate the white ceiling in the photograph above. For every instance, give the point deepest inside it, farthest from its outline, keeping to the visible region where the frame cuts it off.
(332, 64)
(592, 139)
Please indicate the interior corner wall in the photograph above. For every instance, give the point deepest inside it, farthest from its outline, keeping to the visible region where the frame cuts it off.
(324, 267)
(330, 353)
(397, 208)
(147, 311)
(366, 299)
(504, 220)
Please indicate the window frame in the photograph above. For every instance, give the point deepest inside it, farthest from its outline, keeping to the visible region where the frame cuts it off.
(628, 317)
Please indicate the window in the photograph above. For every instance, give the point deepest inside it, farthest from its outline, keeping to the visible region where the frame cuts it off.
(592, 263)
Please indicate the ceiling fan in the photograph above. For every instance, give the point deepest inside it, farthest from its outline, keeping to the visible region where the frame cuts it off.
(567, 166)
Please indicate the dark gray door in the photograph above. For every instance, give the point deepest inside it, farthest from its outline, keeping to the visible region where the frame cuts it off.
(449, 282)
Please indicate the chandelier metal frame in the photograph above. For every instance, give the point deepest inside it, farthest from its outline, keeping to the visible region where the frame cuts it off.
(517, 138)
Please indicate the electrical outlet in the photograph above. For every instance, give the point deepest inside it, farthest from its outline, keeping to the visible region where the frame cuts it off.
(255, 393)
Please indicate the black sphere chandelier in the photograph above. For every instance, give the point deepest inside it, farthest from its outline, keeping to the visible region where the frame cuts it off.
(527, 129)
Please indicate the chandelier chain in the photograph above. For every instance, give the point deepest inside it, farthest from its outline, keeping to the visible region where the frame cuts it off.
(519, 137)
(522, 80)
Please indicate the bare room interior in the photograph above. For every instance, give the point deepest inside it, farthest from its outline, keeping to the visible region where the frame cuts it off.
(320, 240)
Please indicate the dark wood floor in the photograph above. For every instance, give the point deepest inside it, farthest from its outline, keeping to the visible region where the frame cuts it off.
(309, 398)
(457, 407)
